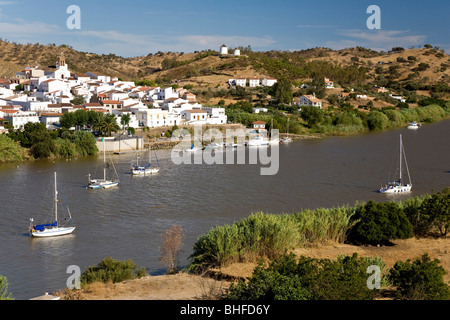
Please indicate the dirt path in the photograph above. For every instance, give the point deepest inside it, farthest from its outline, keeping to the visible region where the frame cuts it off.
(190, 287)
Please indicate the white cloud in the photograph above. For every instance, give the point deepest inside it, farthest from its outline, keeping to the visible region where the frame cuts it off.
(215, 41)
(27, 29)
(316, 26)
(376, 39)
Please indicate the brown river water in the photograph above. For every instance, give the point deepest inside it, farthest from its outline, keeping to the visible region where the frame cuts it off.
(126, 222)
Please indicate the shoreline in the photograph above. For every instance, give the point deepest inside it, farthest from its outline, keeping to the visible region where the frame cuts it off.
(167, 144)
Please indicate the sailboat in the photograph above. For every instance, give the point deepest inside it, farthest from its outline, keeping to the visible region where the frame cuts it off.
(398, 185)
(103, 183)
(52, 229)
(136, 169)
(286, 139)
(272, 139)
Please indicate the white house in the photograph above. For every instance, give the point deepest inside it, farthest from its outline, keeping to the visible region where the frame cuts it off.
(195, 116)
(328, 83)
(215, 115)
(113, 106)
(241, 82)
(51, 120)
(258, 110)
(237, 52)
(166, 93)
(310, 100)
(19, 118)
(99, 77)
(156, 117)
(400, 98)
(253, 82)
(268, 82)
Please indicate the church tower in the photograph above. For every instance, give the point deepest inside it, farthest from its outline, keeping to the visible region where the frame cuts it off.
(61, 61)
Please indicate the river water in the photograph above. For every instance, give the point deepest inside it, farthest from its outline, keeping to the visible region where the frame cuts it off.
(127, 222)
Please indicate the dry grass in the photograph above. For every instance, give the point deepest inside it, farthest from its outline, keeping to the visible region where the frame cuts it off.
(183, 286)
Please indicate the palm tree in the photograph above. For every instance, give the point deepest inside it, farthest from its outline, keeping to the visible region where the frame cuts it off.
(110, 124)
(97, 122)
(125, 120)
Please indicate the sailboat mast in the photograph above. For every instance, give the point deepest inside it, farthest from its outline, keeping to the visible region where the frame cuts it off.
(401, 147)
(56, 201)
(104, 160)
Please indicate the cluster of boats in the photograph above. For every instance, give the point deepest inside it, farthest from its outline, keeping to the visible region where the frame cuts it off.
(55, 229)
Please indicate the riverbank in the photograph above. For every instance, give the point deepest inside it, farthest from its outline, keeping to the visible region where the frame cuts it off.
(183, 286)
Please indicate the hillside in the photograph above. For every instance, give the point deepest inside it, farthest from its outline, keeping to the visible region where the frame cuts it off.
(425, 69)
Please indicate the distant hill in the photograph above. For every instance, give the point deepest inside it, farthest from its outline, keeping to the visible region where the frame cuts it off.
(420, 69)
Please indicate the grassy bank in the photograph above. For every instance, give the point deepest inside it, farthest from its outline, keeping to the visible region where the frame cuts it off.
(267, 236)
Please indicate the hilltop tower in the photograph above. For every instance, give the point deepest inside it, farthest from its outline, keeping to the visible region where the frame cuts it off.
(223, 49)
(61, 61)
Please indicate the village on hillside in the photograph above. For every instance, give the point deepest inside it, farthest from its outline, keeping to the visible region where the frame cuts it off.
(38, 95)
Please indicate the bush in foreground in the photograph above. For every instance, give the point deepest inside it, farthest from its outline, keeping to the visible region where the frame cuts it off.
(111, 270)
(307, 279)
(420, 280)
(379, 223)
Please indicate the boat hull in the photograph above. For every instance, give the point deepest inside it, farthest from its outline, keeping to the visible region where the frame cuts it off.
(102, 184)
(396, 189)
(144, 171)
(52, 232)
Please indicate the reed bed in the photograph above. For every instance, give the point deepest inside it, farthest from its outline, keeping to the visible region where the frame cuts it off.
(269, 236)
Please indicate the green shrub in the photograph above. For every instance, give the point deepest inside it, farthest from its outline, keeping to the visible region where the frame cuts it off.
(112, 270)
(10, 150)
(306, 279)
(420, 280)
(4, 295)
(377, 121)
(379, 223)
(434, 212)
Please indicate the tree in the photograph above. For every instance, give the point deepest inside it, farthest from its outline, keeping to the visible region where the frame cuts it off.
(312, 115)
(318, 87)
(78, 100)
(434, 212)
(379, 223)
(67, 120)
(80, 118)
(125, 120)
(170, 247)
(85, 143)
(377, 121)
(422, 279)
(109, 124)
(282, 91)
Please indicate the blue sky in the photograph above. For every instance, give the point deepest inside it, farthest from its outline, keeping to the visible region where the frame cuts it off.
(135, 28)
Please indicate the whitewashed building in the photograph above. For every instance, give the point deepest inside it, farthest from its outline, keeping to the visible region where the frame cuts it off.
(253, 82)
(215, 115)
(242, 82)
(268, 82)
(310, 100)
(328, 83)
(19, 118)
(195, 116)
(156, 117)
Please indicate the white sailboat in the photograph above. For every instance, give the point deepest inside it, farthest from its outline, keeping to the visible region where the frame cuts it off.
(136, 169)
(414, 125)
(272, 139)
(257, 141)
(52, 229)
(104, 183)
(286, 139)
(399, 186)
